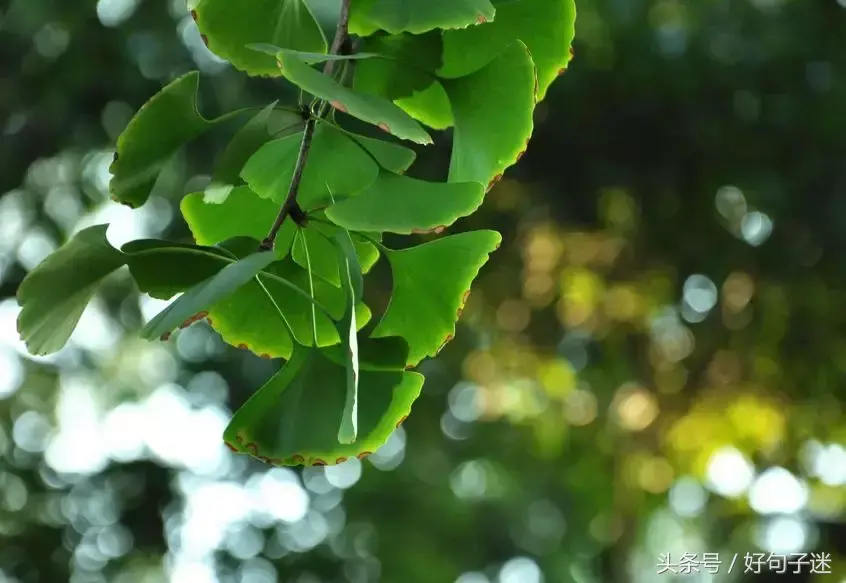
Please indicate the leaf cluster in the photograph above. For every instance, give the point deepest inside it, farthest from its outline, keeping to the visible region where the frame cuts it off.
(293, 218)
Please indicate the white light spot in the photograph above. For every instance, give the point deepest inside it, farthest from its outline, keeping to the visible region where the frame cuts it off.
(756, 228)
(520, 570)
(729, 473)
(344, 475)
(777, 491)
(700, 293)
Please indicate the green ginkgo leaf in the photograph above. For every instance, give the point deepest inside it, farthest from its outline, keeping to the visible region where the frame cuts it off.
(242, 214)
(54, 295)
(336, 164)
(431, 284)
(229, 27)
(407, 64)
(309, 58)
(430, 106)
(352, 283)
(370, 108)
(295, 417)
(493, 120)
(168, 121)
(546, 27)
(206, 294)
(393, 157)
(254, 134)
(417, 16)
(399, 204)
(268, 315)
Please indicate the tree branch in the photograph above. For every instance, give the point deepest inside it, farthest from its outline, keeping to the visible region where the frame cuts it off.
(290, 206)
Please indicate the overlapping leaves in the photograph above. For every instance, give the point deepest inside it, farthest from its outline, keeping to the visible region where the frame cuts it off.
(477, 65)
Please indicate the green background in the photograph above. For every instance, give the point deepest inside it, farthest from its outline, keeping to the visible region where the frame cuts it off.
(652, 363)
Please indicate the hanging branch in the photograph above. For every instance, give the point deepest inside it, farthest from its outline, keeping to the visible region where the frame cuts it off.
(290, 206)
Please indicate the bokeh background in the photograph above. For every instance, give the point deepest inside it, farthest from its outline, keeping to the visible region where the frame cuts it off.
(652, 363)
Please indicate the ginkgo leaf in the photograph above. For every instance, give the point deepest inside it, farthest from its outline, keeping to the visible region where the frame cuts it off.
(430, 106)
(352, 284)
(323, 255)
(336, 164)
(206, 294)
(54, 295)
(407, 64)
(493, 119)
(370, 108)
(242, 214)
(164, 124)
(393, 157)
(399, 204)
(546, 27)
(430, 285)
(229, 27)
(395, 16)
(268, 315)
(309, 58)
(295, 417)
(254, 134)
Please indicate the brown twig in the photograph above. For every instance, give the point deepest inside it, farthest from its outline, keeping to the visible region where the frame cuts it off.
(290, 206)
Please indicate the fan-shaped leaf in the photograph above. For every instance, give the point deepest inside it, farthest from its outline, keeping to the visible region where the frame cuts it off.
(336, 164)
(369, 108)
(493, 116)
(206, 294)
(393, 157)
(53, 296)
(417, 16)
(242, 214)
(229, 27)
(254, 134)
(431, 283)
(399, 204)
(295, 417)
(546, 27)
(408, 64)
(430, 106)
(164, 124)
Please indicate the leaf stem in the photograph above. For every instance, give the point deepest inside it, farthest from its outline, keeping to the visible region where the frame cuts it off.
(290, 206)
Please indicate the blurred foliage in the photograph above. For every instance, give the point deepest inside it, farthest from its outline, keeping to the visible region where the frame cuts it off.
(653, 363)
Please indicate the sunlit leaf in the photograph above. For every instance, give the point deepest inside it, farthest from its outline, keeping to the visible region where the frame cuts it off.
(352, 284)
(417, 16)
(399, 204)
(53, 296)
(164, 124)
(336, 164)
(242, 214)
(546, 27)
(393, 157)
(294, 419)
(493, 116)
(370, 108)
(430, 285)
(254, 134)
(229, 27)
(310, 58)
(430, 106)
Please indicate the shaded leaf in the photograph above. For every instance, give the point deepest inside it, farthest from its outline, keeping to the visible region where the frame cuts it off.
(206, 294)
(407, 65)
(395, 16)
(393, 157)
(546, 27)
(336, 164)
(295, 417)
(54, 295)
(399, 204)
(493, 118)
(370, 108)
(430, 285)
(164, 124)
(228, 27)
(324, 256)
